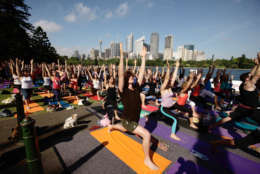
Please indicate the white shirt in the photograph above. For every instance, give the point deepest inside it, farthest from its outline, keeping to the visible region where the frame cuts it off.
(27, 82)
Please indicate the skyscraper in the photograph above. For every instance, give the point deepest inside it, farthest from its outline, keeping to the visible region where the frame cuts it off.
(100, 48)
(139, 43)
(154, 43)
(130, 43)
(168, 48)
(115, 49)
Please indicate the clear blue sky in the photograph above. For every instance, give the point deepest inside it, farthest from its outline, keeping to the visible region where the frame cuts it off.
(222, 27)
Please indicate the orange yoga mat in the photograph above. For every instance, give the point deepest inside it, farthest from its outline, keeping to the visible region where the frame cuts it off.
(45, 94)
(129, 151)
(34, 107)
(71, 99)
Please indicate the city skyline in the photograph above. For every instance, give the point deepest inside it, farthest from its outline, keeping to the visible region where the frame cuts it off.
(224, 28)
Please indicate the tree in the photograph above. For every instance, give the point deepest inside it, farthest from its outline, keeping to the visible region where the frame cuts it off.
(42, 50)
(14, 29)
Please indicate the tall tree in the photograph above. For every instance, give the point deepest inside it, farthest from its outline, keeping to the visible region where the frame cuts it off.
(42, 51)
(14, 29)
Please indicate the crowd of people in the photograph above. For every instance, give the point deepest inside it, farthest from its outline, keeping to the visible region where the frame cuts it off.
(169, 88)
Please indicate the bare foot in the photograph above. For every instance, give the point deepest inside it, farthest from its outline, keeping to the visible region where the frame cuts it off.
(193, 126)
(174, 136)
(150, 164)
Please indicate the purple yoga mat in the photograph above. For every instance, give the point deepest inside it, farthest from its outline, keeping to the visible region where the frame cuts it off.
(223, 158)
(186, 166)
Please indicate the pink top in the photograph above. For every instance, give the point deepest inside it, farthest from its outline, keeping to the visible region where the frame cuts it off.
(167, 100)
(56, 83)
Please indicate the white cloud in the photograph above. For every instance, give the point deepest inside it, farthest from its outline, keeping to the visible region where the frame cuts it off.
(83, 11)
(70, 17)
(48, 26)
(109, 15)
(122, 9)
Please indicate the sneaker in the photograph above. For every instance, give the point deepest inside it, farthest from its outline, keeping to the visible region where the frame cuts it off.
(70, 107)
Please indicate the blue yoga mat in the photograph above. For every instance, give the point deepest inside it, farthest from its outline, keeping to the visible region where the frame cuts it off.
(223, 158)
(64, 104)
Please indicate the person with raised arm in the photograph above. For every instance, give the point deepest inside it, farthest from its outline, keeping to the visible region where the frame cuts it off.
(167, 94)
(131, 100)
(15, 73)
(26, 84)
(55, 78)
(249, 98)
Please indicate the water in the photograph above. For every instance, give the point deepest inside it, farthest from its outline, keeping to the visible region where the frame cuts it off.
(235, 72)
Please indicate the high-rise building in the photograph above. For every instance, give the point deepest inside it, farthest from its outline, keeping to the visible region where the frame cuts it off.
(189, 47)
(130, 43)
(94, 53)
(115, 49)
(168, 49)
(139, 43)
(100, 48)
(154, 43)
(107, 53)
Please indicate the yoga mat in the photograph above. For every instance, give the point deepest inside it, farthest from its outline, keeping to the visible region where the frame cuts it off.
(186, 166)
(129, 151)
(223, 158)
(71, 99)
(45, 94)
(88, 95)
(34, 107)
(150, 108)
(96, 98)
(144, 113)
(63, 104)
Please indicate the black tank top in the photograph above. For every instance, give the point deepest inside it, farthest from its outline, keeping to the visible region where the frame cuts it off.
(132, 104)
(249, 98)
(111, 94)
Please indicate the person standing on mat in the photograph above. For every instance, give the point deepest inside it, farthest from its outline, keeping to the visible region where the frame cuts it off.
(248, 98)
(167, 95)
(130, 95)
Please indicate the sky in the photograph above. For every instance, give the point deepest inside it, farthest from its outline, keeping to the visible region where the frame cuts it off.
(224, 28)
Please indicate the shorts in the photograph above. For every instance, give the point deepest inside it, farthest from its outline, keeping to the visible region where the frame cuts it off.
(26, 93)
(130, 126)
(47, 88)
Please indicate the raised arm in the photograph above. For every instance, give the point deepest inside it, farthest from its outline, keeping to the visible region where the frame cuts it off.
(142, 68)
(256, 75)
(47, 70)
(121, 70)
(31, 67)
(134, 66)
(166, 78)
(18, 70)
(126, 63)
(189, 83)
(197, 80)
(175, 73)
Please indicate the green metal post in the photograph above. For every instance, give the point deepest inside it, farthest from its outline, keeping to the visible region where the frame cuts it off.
(31, 145)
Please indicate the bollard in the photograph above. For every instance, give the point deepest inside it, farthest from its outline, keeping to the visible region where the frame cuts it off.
(31, 145)
(19, 108)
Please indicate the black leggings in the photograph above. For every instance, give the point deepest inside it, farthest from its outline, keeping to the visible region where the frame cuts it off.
(180, 108)
(250, 139)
